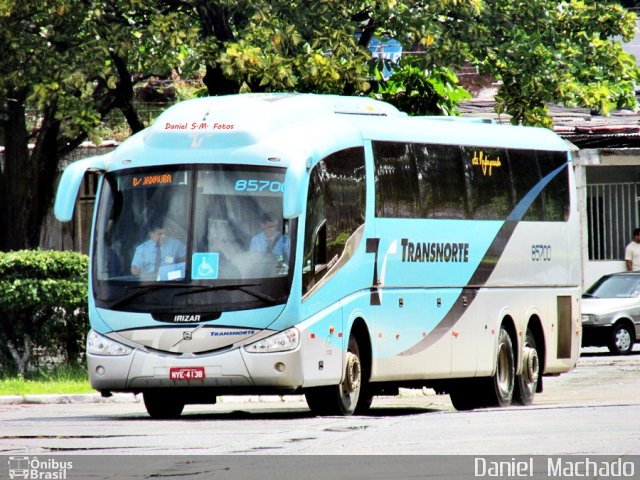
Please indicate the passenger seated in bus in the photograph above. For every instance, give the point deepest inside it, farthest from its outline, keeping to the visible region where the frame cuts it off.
(270, 240)
(159, 250)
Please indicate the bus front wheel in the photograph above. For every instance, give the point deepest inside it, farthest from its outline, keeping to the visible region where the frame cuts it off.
(349, 396)
(162, 405)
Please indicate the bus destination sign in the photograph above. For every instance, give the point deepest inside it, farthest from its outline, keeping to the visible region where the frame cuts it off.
(152, 180)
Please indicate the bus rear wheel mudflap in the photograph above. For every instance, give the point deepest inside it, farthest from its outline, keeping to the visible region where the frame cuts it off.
(350, 396)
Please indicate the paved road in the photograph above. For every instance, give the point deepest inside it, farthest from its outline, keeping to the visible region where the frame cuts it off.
(593, 410)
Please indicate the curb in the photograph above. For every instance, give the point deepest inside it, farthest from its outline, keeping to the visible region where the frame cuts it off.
(131, 398)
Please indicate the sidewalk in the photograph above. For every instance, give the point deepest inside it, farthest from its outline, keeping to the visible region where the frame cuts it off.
(68, 398)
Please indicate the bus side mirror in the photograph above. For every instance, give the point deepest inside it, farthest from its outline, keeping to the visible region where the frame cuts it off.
(70, 184)
(295, 190)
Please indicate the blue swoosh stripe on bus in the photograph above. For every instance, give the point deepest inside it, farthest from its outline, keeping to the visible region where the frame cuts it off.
(486, 266)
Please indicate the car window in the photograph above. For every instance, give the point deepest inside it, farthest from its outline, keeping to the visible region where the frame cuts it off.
(616, 287)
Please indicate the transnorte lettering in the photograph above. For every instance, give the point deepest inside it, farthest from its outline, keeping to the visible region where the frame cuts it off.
(434, 251)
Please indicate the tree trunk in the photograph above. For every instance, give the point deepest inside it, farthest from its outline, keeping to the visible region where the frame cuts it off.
(18, 181)
(45, 159)
(215, 23)
(22, 360)
(124, 95)
(28, 178)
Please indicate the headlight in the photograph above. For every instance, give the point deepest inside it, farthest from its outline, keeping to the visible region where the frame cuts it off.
(99, 345)
(280, 342)
(588, 318)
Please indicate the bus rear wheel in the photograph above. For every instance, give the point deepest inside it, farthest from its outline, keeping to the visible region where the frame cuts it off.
(466, 394)
(347, 398)
(162, 405)
(498, 390)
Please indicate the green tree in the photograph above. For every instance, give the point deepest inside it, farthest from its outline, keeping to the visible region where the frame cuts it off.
(420, 92)
(65, 66)
(280, 45)
(561, 52)
(74, 61)
(540, 50)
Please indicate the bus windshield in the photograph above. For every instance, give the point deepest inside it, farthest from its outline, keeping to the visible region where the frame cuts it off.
(191, 236)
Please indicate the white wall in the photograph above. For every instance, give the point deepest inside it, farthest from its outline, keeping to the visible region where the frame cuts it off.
(594, 270)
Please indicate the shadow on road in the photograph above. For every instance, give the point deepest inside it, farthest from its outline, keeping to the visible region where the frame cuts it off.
(292, 414)
(607, 353)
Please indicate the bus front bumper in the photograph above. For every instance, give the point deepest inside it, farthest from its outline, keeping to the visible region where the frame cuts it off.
(140, 370)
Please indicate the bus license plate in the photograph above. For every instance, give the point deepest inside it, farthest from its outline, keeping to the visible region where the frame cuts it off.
(186, 373)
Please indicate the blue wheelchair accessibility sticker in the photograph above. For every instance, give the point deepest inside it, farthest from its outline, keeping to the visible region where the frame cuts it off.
(204, 266)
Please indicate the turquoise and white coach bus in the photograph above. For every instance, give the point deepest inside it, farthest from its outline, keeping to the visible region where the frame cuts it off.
(409, 252)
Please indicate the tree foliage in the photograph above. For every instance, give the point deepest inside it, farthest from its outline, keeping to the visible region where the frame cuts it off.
(72, 62)
(560, 52)
(422, 92)
(64, 67)
(280, 45)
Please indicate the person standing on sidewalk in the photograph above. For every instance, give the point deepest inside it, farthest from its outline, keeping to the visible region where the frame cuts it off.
(632, 252)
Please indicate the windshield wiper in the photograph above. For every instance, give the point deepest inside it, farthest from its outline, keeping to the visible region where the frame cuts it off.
(233, 286)
(190, 289)
(140, 290)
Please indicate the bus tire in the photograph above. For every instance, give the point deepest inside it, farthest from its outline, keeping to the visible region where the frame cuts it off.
(162, 405)
(527, 382)
(364, 402)
(465, 395)
(342, 399)
(498, 390)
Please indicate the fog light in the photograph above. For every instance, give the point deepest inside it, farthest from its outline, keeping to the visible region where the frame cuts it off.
(100, 370)
(280, 367)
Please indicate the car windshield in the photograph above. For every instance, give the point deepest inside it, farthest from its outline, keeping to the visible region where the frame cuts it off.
(616, 286)
(215, 228)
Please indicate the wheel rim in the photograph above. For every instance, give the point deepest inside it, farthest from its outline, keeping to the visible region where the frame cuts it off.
(504, 376)
(353, 375)
(623, 339)
(531, 366)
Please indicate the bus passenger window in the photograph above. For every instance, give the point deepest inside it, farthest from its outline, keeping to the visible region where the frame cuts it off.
(334, 216)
